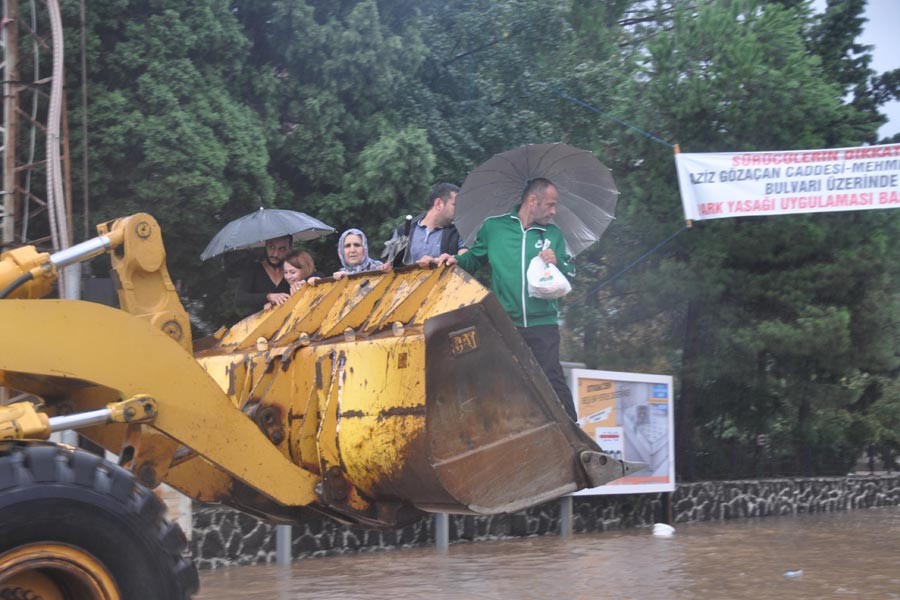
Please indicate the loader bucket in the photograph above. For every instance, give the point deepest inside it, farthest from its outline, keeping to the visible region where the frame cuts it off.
(498, 438)
(414, 388)
(485, 434)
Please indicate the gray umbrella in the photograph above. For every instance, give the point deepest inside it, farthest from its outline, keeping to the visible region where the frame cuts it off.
(253, 230)
(587, 192)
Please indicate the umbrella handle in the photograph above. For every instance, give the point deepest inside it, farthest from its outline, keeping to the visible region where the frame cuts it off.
(407, 224)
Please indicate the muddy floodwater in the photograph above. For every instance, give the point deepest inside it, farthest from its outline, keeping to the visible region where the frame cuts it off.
(853, 554)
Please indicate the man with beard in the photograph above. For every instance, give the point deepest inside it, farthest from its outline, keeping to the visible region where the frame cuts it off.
(508, 243)
(263, 282)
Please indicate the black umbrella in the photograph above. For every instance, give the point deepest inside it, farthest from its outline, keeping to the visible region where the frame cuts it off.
(587, 192)
(253, 230)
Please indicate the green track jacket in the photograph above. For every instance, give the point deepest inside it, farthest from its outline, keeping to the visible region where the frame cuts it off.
(509, 249)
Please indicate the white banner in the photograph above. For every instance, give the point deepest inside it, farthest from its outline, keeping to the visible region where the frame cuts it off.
(740, 184)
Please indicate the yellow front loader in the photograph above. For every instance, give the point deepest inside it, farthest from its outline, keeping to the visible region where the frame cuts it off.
(369, 400)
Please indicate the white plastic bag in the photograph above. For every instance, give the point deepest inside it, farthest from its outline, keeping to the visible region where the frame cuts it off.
(546, 281)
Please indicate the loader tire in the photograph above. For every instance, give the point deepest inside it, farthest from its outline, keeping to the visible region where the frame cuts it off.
(73, 526)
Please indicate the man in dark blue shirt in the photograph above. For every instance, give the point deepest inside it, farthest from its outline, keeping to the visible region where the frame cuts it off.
(432, 233)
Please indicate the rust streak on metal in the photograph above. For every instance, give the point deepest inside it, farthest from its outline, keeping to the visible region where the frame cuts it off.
(403, 411)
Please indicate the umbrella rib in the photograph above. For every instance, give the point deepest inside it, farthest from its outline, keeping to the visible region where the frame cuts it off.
(585, 201)
(588, 206)
(514, 167)
(546, 154)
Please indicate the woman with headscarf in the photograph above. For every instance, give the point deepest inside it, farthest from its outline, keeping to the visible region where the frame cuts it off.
(353, 250)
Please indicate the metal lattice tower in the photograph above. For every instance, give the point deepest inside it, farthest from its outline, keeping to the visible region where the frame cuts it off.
(36, 202)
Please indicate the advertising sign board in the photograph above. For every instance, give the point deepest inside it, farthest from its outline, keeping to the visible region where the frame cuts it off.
(630, 417)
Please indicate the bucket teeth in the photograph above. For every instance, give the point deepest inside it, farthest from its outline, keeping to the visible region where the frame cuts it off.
(602, 468)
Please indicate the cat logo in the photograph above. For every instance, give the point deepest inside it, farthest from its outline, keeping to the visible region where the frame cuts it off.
(463, 341)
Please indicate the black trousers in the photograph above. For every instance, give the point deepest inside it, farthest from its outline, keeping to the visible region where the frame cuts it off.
(544, 343)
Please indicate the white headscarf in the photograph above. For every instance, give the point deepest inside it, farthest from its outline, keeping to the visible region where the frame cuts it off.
(367, 264)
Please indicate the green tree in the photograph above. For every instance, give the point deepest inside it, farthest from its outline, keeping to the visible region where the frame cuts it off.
(170, 132)
(340, 148)
(834, 38)
(762, 318)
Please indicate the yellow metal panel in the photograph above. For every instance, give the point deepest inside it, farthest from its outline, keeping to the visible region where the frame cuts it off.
(304, 415)
(230, 371)
(136, 359)
(201, 480)
(19, 261)
(403, 298)
(264, 324)
(303, 312)
(376, 408)
(313, 305)
(355, 305)
(456, 290)
(240, 331)
(326, 436)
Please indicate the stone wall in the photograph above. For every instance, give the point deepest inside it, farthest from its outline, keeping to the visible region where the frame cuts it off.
(224, 537)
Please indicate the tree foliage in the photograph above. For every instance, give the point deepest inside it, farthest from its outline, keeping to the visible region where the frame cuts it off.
(763, 318)
(170, 132)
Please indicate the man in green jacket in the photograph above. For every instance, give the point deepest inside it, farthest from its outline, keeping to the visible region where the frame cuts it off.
(509, 242)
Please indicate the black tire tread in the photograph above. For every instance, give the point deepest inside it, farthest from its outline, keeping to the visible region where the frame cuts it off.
(27, 465)
(84, 467)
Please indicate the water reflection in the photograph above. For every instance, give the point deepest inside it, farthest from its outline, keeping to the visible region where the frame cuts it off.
(854, 554)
